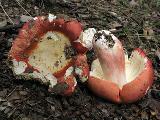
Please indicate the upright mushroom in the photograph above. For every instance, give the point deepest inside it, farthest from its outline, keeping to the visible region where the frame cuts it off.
(113, 75)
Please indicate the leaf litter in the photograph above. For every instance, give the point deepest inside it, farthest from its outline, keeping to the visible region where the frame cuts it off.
(20, 99)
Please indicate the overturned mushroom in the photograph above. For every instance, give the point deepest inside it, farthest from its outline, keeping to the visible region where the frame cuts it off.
(113, 75)
(44, 50)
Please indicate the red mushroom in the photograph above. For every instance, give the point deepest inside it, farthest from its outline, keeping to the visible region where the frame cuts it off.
(115, 77)
(44, 50)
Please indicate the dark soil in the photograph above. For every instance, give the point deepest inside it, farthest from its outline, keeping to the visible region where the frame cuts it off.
(29, 100)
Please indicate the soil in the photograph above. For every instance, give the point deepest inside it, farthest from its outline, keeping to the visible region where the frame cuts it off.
(137, 25)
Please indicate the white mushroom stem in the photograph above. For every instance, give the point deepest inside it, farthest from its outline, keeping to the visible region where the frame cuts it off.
(111, 58)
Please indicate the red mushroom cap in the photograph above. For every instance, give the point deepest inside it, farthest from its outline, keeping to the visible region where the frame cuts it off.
(45, 46)
(71, 82)
(115, 77)
(139, 86)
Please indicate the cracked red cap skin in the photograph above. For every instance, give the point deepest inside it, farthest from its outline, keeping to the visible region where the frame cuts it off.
(32, 36)
(114, 76)
(81, 67)
(71, 82)
(80, 48)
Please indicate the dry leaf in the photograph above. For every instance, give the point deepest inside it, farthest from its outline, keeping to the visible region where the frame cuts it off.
(148, 33)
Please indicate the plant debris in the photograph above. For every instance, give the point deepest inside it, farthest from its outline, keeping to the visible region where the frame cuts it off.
(37, 103)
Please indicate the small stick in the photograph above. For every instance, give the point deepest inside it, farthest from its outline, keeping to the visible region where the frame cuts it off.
(23, 8)
(11, 92)
(10, 27)
(6, 13)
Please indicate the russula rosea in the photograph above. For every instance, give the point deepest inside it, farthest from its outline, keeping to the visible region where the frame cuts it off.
(44, 50)
(113, 75)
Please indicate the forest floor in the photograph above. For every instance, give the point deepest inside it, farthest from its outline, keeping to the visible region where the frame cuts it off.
(137, 24)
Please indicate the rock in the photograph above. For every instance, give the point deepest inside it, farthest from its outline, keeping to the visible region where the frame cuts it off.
(25, 18)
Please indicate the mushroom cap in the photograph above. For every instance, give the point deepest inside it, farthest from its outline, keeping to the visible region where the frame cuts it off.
(114, 76)
(138, 87)
(131, 91)
(45, 48)
(33, 30)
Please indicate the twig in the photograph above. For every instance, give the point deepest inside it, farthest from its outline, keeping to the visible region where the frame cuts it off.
(10, 27)
(11, 92)
(131, 18)
(42, 4)
(33, 104)
(11, 113)
(23, 8)
(49, 117)
(6, 13)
